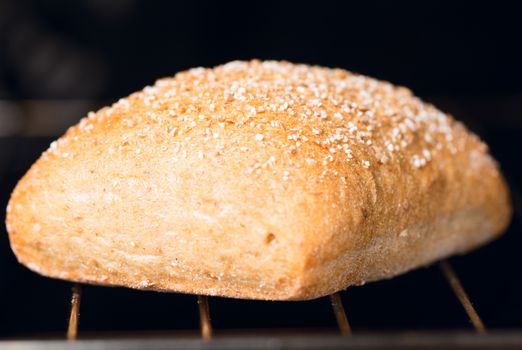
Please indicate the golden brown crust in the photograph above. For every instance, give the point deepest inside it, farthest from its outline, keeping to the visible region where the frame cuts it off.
(263, 180)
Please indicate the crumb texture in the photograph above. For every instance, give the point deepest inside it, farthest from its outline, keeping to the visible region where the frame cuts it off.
(259, 179)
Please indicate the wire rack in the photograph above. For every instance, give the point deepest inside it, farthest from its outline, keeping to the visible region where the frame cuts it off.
(481, 338)
(207, 331)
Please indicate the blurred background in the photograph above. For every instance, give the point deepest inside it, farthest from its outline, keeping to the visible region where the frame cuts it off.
(60, 59)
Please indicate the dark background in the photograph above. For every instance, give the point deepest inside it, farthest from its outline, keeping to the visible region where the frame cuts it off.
(60, 59)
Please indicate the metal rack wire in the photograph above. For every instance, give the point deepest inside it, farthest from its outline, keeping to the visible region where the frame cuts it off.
(206, 329)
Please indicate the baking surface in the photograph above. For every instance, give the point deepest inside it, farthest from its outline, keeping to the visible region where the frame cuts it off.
(377, 341)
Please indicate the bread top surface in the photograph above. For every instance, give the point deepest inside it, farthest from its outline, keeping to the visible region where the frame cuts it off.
(344, 118)
(292, 163)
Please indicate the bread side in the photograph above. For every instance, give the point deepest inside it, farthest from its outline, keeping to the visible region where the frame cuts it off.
(261, 180)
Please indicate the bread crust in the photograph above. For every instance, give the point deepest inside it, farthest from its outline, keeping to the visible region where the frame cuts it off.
(258, 180)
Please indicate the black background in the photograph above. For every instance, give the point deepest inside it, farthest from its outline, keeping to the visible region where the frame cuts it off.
(110, 48)
(464, 57)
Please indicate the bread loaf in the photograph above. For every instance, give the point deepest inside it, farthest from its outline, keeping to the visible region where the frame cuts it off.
(259, 180)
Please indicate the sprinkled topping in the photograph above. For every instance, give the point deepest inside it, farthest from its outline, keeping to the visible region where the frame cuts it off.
(328, 116)
(418, 162)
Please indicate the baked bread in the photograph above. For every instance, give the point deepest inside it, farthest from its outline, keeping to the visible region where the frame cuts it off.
(259, 180)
